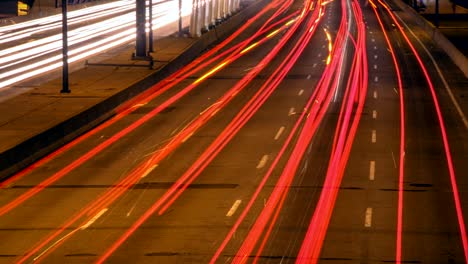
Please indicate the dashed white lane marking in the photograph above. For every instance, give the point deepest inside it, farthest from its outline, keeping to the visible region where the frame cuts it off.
(374, 136)
(375, 57)
(315, 64)
(370, 32)
(319, 55)
(368, 220)
(278, 134)
(373, 40)
(262, 162)
(374, 114)
(375, 66)
(233, 208)
(301, 92)
(308, 77)
(291, 111)
(92, 220)
(375, 47)
(372, 170)
(323, 46)
(395, 90)
(148, 171)
(376, 79)
(375, 94)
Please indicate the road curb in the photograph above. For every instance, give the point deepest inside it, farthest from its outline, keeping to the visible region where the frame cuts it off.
(439, 39)
(30, 150)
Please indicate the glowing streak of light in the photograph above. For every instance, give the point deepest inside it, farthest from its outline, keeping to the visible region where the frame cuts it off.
(83, 34)
(217, 68)
(112, 193)
(272, 34)
(448, 155)
(249, 48)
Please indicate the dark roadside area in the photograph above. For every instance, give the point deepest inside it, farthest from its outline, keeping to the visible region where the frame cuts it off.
(454, 27)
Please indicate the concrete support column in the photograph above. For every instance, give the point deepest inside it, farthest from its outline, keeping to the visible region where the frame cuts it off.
(194, 20)
(237, 5)
(215, 10)
(229, 7)
(209, 11)
(203, 14)
(225, 8)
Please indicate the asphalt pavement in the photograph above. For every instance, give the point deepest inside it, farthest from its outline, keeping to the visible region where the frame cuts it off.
(78, 205)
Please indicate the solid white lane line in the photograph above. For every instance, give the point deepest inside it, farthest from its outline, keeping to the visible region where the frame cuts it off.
(278, 134)
(376, 79)
(375, 94)
(374, 136)
(262, 162)
(92, 220)
(374, 114)
(291, 111)
(233, 208)
(368, 220)
(301, 92)
(372, 170)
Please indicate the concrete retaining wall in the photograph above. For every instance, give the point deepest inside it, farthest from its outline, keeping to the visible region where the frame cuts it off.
(439, 39)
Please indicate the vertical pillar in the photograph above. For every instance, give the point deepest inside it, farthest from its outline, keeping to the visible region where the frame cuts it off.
(202, 15)
(150, 34)
(65, 87)
(140, 29)
(225, 8)
(192, 20)
(180, 18)
(208, 14)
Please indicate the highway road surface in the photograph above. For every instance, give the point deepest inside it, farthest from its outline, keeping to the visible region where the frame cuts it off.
(319, 132)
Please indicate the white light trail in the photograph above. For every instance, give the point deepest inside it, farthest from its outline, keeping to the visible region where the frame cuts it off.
(24, 55)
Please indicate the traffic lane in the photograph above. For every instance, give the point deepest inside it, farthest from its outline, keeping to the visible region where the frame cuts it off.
(200, 211)
(288, 232)
(254, 138)
(47, 211)
(128, 143)
(363, 224)
(430, 226)
(450, 90)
